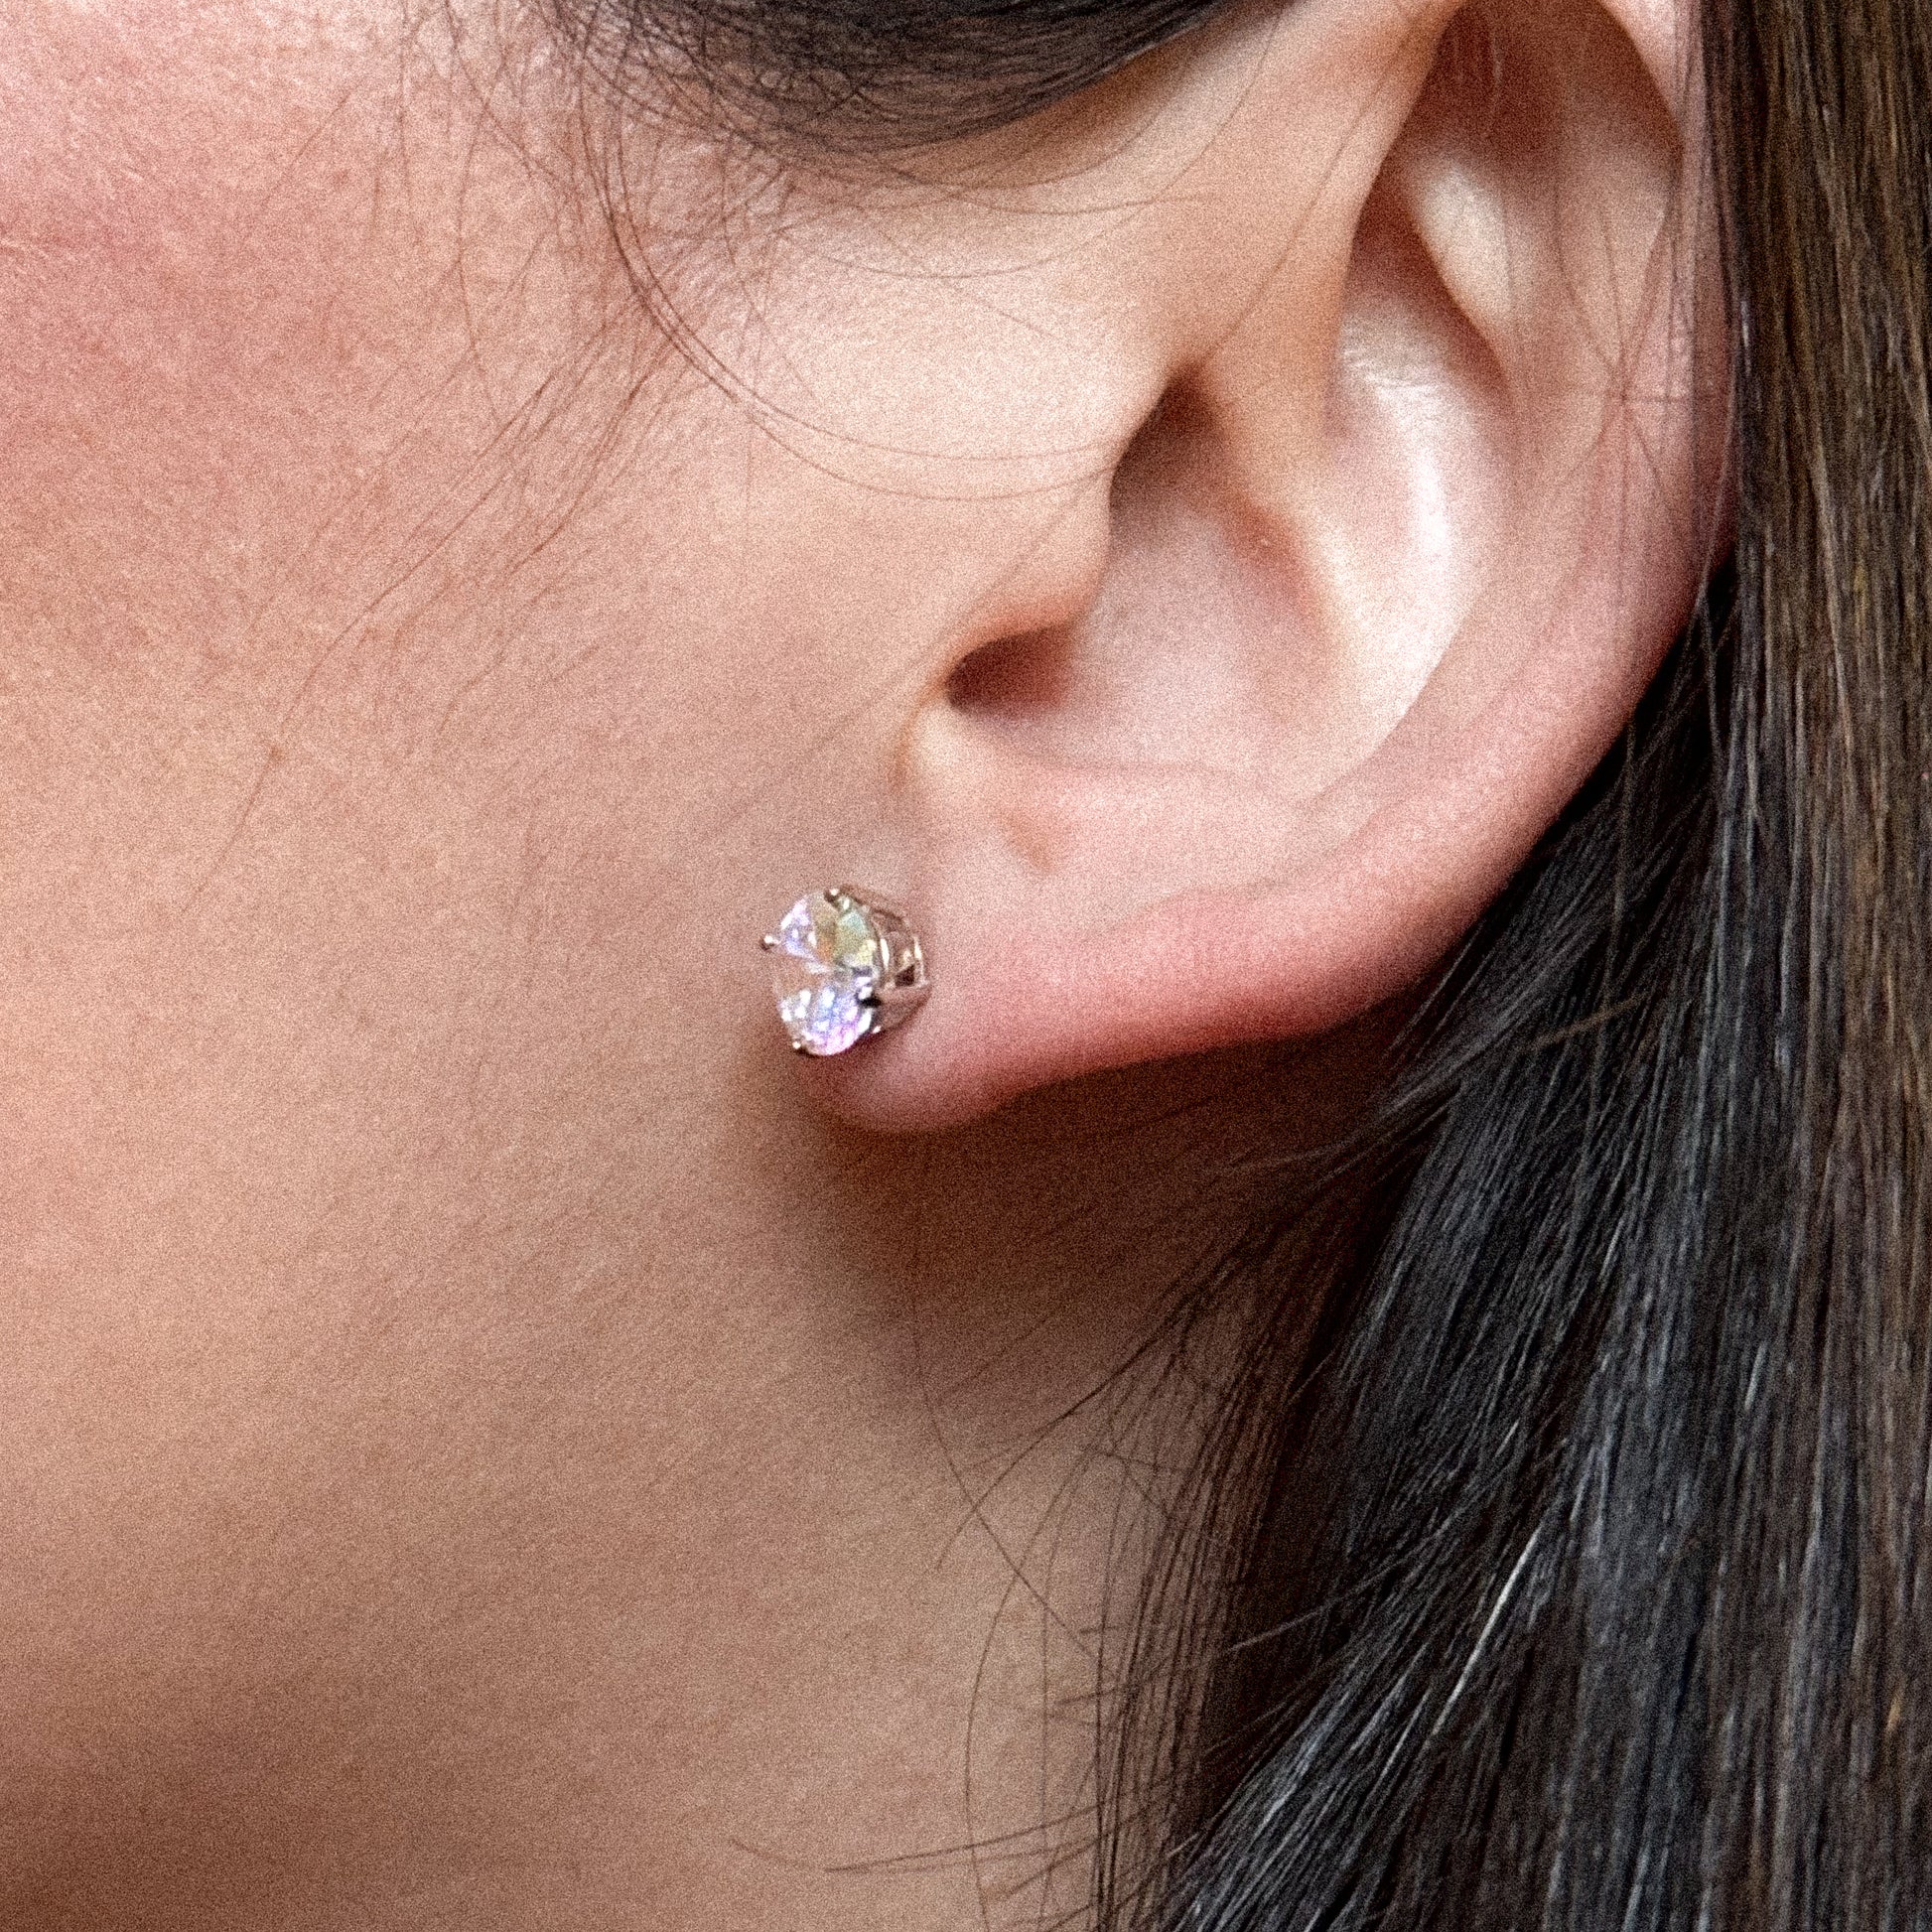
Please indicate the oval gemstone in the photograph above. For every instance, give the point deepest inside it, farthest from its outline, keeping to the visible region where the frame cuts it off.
(826, 961)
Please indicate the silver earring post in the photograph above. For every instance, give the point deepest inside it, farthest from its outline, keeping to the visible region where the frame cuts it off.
(845, 966)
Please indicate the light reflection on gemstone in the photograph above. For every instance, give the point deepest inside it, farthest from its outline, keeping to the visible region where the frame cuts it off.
(826, 961)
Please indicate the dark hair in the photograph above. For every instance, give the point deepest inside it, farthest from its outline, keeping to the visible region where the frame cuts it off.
(1569, 1570)
(847, 77)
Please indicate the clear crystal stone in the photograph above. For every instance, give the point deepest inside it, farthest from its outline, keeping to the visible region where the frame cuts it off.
(827, 958)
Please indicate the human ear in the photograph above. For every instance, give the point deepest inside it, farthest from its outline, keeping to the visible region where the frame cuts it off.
(1425, 498)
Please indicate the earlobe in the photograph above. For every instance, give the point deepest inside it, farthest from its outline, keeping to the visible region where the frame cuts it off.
(1420, 511)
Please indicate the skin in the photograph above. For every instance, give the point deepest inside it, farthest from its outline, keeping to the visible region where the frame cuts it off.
(484, 1444)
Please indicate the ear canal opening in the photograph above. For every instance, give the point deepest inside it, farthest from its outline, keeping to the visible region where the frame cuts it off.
(1023, 680)
(1014, 678)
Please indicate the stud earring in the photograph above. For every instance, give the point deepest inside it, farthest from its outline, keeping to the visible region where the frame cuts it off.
(844, 966)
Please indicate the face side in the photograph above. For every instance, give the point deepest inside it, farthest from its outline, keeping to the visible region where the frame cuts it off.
(472, 1433)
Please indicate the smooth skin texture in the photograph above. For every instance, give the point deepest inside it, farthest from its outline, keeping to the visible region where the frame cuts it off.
(480, 1442)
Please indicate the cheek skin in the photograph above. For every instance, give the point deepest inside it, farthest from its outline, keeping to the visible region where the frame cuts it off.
(314, 1071)
(185, 351)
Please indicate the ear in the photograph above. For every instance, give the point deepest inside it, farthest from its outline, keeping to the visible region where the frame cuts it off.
(1382, 578)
